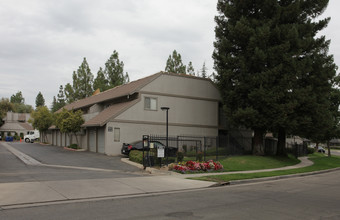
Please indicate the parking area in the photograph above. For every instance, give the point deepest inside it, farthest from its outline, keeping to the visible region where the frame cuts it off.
(48, 154)
(14, 170)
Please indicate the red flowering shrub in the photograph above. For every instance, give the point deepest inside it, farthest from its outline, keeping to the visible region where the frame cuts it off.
(192, 166)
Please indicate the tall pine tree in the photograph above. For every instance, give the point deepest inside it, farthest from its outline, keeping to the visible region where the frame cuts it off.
(69, 93)
(190, 69)
(100, 81)
(83, 81)
(204, 71)
(114, 71)
(264, 56)
(174, 64)
(58, 102)
(39, 100)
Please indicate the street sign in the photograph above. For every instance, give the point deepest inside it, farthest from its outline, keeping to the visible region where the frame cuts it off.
(160, 152)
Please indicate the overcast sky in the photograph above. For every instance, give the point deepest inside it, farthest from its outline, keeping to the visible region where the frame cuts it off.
(43, 41)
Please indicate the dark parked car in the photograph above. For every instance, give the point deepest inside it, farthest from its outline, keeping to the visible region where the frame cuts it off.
(138, 145)
(321, 149)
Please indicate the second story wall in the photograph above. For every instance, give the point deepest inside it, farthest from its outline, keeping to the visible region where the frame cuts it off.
(187, 86)
(192, 102)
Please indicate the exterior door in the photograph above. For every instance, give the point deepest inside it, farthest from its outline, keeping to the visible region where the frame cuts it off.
(92, 140)
(101, 140)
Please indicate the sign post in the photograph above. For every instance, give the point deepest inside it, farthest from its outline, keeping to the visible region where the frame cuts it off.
(160, 153)
(145, 145)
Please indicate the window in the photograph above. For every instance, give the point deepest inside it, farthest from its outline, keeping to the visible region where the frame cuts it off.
(150, 103)
(117, 135)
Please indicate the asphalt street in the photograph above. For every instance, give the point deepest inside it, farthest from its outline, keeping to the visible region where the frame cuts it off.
(85, 185)
(313, 197)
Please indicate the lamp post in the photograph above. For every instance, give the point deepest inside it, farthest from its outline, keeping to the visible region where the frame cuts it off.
(167, 132)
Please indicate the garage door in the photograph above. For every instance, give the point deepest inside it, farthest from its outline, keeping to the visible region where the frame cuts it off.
(54, 138)
(92, 140)
(101, 140)
(58, 138)
(67, 136)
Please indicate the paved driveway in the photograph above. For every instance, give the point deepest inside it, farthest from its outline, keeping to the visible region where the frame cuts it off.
(14, 170)
(48, 154)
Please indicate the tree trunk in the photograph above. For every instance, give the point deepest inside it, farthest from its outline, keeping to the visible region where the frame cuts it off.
(258, 147)
(281, 144)
(45, 138)
(329, 149)
(76, 140)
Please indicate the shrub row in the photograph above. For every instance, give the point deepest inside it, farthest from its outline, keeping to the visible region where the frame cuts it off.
(137, 156)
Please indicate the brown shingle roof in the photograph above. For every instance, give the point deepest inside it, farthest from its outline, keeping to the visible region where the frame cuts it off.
(128, 89)
(26, 126)
(112, 111)
(116, 92)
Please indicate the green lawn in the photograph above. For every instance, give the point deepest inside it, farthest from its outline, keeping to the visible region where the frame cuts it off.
(321, 162)
(249, 162)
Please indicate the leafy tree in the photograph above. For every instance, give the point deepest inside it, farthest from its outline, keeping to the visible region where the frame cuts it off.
(174, 64)
(100, 81)
(266, 56)
(18, 98)
(39, 100)
(59, 117)
(5, 106)
(114, 71)
(42, 120)
(83, 81)
(70, 122)
(328, 126)
(22, 108)
(19, 104)
(190, 69)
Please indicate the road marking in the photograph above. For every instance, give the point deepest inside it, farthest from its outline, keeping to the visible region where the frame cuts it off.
(33, 162)
(25, 158)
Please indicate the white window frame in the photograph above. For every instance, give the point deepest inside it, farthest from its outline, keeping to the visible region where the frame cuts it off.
(151, 107)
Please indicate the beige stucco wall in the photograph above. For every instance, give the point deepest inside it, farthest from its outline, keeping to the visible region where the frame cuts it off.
(193, 111)
(183, 86)
(184, 111)
(133, 132)
(12, 116)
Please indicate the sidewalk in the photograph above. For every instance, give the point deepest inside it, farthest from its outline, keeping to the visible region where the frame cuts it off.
(26, 194)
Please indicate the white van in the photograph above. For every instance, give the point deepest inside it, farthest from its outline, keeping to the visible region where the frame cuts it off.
(31, 136)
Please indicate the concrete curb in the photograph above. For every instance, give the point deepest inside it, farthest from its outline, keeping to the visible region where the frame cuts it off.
(237, 182)
(149, 169)
(265, 179)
